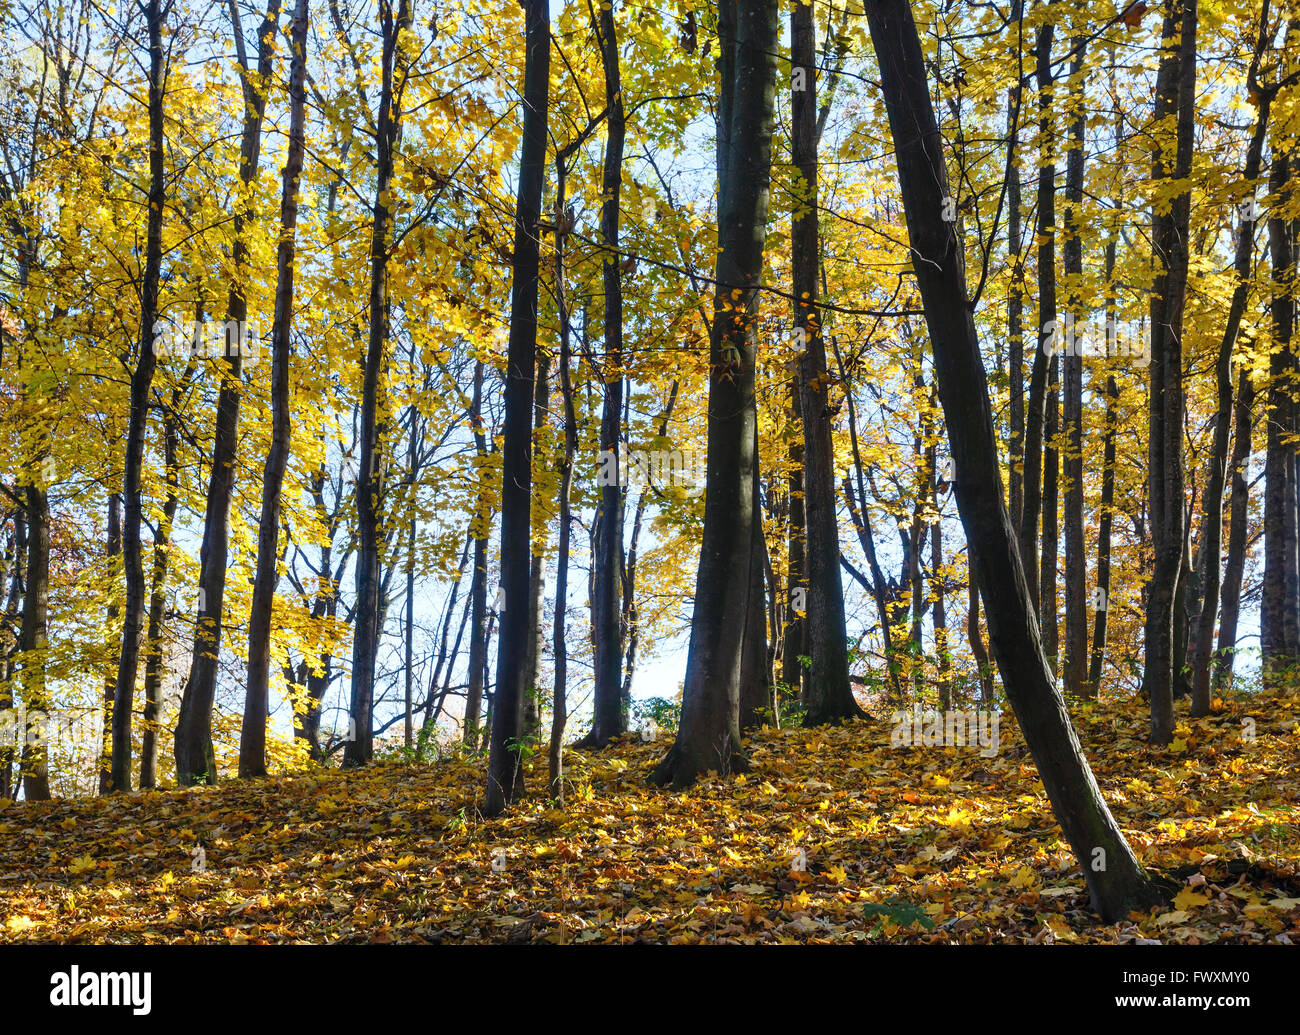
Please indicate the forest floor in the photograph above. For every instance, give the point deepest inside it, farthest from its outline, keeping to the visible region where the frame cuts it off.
(833, 836)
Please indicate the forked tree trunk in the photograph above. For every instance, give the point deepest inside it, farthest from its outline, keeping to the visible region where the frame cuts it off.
(252, 743)
(195, 762)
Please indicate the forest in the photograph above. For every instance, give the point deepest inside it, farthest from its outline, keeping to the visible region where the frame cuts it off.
(606, 471)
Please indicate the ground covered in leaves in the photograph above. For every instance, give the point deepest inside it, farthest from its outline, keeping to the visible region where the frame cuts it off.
(833, 836)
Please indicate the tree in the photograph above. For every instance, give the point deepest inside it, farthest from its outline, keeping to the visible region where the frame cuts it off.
(505, 762)
(252, 745)
(827, 696)
(1119, 884)
(708, 737)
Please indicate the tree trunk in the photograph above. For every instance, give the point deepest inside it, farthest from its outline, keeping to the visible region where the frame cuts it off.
(1037, 406)
(1278, 639)
(827, 695)
(1115, 879)
(505, 780)
(481, 527)
(1212, 523)
(609, 719)
(141, 381)
(1175, 95)
(1075, 665)
(112, 554)
(1238, 517)
(36, 606)
(370, 481)
(708, 737)
(252, 744)
(194, 757)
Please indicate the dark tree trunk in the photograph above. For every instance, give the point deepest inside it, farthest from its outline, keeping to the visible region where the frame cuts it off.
(1115, 879)
(505, 781)
(1238, 516)
(610, 718)
(793, 638)
(827, 695)
(193, 741)
(112, 554)
(36, 606)
(481, 528)
(1212, 523)
(709, 735)
(1277, 619)
(1075, 665)
(252, 744)
(1175, 96)
(370, 480)
(1036, 410)
(141, 381)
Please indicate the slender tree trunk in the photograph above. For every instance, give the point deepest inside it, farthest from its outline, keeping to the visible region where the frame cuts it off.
(709, 735)
(370, 483)
(1105, 518)
(252, 744)
(112, 554)
(153, 662)
(1175, 96)
(1075, 665)
(827, 695)
(505, 781)
(559, 705)
(1238, 516)
(609, 719)
(1212, 523)
(141, 381)
(1115, 878)
(1036, 410)
(481, 528)
(532, 712)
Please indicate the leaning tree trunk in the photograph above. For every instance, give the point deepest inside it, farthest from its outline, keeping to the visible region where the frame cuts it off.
(1115, 878)
(252, 744)
(708, 737)
(112, 554)
(141, 381)
(505, 780)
